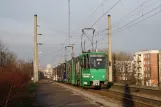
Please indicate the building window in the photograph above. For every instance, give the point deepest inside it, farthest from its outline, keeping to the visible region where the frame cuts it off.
(144, 56)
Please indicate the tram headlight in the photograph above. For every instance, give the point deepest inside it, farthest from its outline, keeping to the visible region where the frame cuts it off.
(92, 76)
(103, 76)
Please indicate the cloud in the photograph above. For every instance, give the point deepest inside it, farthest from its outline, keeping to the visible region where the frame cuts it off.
(16, 18)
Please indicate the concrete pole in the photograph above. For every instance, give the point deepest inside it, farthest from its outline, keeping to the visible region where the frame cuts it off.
(35, 50)
(109, 51)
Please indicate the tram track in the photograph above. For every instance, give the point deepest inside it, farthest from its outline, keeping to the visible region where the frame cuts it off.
(123, 98)
(127, 99)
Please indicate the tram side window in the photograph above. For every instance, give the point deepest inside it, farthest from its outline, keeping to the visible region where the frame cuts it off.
(77, 66)
(87, 61)
(64, 67)
(84, 62)
(68, 68)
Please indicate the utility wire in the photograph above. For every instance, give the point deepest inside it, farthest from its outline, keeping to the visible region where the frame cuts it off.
(139, 21)
(127, 16)
(137, 18)
(97, 8)
(143, 9)
(58, 53)
(61, 31)
(133, 24)
(105, 13)
(131, 12)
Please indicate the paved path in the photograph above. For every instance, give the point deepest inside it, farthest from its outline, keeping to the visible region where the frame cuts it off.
(50, 94)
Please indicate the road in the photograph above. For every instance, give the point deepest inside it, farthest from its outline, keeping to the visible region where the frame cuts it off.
(50, 94)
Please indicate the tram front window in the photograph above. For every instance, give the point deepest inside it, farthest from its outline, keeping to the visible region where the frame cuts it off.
(97, 62)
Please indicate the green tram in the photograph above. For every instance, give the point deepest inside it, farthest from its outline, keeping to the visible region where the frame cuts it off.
(86, 70)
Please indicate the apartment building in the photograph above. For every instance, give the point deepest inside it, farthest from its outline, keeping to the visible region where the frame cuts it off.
(123, 70)
(147, 67)
(159, 68)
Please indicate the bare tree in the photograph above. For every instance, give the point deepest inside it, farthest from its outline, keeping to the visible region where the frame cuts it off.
(3, 51)
(11, 58)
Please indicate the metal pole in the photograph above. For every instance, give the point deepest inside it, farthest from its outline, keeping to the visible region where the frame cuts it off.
(109, 51)
(84, 45)
(92, 44)
(96, 45)
(65, 54)
(92, 41)
(72, 51)
(69, 20)
(82, 41)
(35, 50)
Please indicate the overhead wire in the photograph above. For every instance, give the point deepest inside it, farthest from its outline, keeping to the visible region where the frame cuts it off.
(131, 12)
(97, 9)
(58, 53)
(61, 48)
(100, 7)
(143, 9)
(127, 15)
(60, 31)
(137, 18)
(140, 21)
(133, 24)
(105, 13)
(119, 29)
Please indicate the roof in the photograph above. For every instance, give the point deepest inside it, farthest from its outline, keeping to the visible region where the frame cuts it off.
(93, 53)
(148, 51)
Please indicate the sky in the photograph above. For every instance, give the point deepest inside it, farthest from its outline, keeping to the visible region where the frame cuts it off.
(17, 25)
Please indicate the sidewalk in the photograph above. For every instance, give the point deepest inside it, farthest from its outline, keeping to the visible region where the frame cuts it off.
(50, 94)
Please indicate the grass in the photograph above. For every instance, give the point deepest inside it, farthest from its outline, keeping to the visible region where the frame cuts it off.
(32, 87)
(24, 98)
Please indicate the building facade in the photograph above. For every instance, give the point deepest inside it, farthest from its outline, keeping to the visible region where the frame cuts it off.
(147, 67)
(159, 68)
(49, 71)
(123, 70)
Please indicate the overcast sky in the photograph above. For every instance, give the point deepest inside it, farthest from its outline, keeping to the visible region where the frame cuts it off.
(16, 20)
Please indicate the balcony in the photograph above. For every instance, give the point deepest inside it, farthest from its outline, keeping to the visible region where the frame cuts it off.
(139, 58)
(139, 65)
(139, 70)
